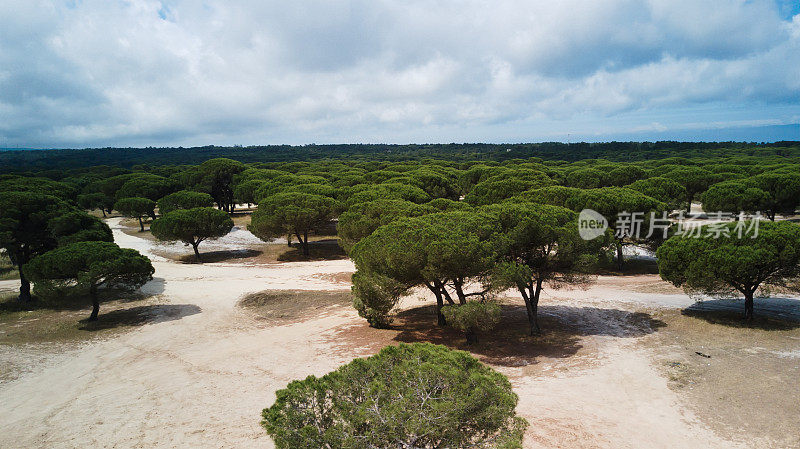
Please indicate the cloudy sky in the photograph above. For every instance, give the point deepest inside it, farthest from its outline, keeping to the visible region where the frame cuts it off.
(172, 72)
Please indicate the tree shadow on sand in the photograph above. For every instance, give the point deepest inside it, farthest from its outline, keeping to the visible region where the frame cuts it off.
(69, 300)
(768, 313)
(327, 249)
(510, 343)
(138, 316)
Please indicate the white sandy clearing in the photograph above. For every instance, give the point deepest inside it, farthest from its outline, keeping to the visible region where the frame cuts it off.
(203, 379)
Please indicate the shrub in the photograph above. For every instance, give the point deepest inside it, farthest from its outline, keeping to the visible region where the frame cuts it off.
(472, 317)
(412, 395)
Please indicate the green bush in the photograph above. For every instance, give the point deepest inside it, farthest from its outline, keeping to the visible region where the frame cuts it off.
(472, 317)
(412, 395)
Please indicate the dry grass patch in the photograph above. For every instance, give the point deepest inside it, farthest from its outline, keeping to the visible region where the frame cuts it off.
(290, 306)
(744, 381)
(37, 323)
(131, 227)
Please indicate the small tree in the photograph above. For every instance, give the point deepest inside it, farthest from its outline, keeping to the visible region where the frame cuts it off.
(216, 175)
(449, 253)
(539, 245)
(417, 395)
(610, 202)
(734, 197)
(245, 191)
(95, 200)
(694, 179)
(375, 296)
(184, 199)
(192, 226)
(291, 213)
(136, 208)
(730, 265)
(472, 317)
(146, 185)
(24, 229)
(87, 266)
(783, 191)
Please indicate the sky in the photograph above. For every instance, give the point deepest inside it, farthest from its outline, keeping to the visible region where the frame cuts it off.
(95, 73)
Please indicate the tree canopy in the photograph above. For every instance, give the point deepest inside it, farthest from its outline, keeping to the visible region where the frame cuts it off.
(291, 213)
(192, 226)
(411, 395)
(135, 207)
(663, 189)
(694, 179)
(86, 266)
(613, 203)
(77, 226)
(216, 175)
(500, 187)
(362, 219)
(783, 191)
(539, 245)
(25, 232)
(734, 197)
(38, 185)
(724, 262)
(184, 199)
(145, 185)
(442, 252)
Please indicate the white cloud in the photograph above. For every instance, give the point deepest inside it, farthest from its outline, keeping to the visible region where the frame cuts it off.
(182, 72)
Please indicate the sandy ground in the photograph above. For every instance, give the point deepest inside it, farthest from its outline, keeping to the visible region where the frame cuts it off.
(203, 379)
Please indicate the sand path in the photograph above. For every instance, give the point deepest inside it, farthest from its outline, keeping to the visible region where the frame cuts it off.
(197, 381)
(202, 379)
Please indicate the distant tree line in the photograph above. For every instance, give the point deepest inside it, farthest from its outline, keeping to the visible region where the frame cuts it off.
(39, 160)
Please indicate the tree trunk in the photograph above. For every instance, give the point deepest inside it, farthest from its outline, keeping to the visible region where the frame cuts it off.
(289, 240)
(472, 337)
(440, 319)
(436, 289)
(533, 324)
(748, 306)
(446, 295)
(141, 224)
(95, 303)
(196, 252)
(24, 286)
(462, 298)
(620, 259)
(305, 243)
(535, 329)
(103, 211)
